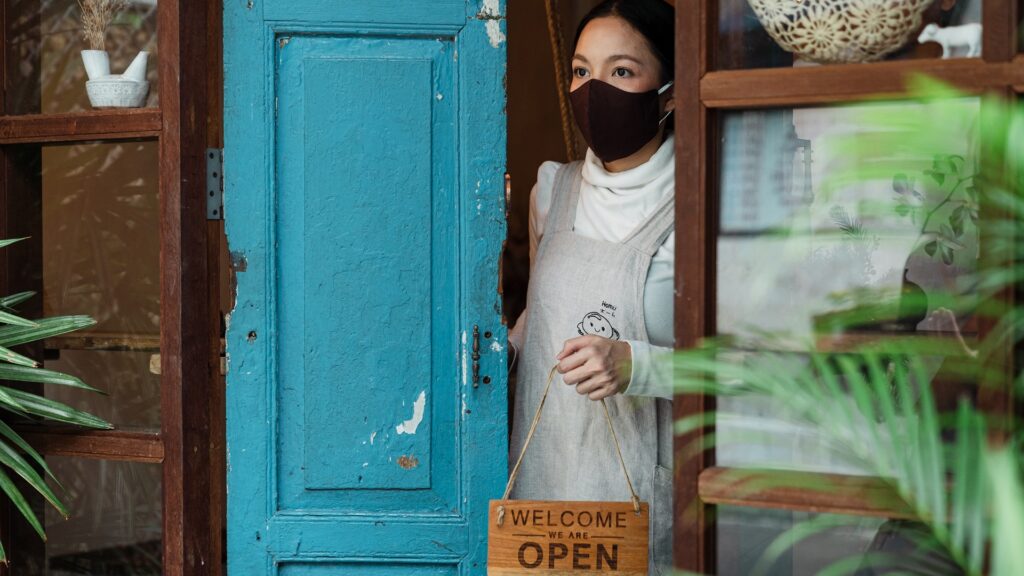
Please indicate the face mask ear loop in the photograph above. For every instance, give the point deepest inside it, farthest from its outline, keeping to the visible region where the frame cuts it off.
(660, 92)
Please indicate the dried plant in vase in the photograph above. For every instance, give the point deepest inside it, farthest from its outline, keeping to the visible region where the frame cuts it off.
(106, 90)
(96, 16)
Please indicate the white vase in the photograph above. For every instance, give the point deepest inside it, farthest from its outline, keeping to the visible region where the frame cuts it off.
(137, 69)
(97, 63)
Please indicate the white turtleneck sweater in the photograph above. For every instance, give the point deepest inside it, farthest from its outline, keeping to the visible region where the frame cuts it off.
(611, 205)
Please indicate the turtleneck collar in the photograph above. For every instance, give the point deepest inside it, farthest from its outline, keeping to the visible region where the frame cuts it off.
(660, 166)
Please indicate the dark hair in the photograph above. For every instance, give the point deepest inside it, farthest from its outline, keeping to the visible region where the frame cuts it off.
(655, 20)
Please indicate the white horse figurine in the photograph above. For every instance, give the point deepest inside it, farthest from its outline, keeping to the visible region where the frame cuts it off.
(966, 36)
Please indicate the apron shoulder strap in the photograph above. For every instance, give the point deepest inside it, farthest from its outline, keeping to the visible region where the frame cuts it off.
(651, 234)
(564, 197)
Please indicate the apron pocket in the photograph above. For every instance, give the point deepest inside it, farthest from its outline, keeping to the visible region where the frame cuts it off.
(661, 521)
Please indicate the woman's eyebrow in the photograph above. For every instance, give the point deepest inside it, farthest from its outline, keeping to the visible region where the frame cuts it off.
(615, 57)
(580, 58)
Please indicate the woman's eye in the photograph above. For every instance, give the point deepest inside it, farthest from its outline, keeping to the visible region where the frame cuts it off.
(622, 72)
(580, 72)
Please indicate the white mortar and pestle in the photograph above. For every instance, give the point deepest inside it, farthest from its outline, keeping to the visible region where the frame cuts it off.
(106, 90)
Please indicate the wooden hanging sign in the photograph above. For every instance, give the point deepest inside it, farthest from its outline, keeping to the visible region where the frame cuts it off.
(552, 537)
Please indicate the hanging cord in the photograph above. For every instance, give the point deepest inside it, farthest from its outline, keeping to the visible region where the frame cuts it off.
(529, 436)
(560, 59)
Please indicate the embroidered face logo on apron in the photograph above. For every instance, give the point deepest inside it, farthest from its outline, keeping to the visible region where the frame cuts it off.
(595, 324)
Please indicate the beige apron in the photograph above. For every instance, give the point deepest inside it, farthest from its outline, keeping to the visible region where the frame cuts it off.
(582, 286)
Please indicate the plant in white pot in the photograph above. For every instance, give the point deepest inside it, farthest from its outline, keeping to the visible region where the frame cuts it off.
(106, 90)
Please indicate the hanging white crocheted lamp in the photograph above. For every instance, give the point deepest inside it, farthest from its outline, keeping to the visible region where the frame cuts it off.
(836, 31)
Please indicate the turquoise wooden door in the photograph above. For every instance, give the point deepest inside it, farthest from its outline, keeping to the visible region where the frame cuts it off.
(364, 161)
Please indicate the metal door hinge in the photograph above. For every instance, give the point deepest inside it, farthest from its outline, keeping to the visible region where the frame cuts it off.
(214, 184)
(476, 356)
(508, 194)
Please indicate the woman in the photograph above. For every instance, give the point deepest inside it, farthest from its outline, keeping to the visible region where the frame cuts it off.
(601, 290)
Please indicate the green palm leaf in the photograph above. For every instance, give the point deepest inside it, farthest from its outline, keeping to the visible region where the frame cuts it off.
(45, 328)
(56, 411)
(1008, 490)
(19, 442)
(13, 300)
(16, 498)
(13, 357)
(16, 455)
(41, 376)
(10, 458)
(8, 318)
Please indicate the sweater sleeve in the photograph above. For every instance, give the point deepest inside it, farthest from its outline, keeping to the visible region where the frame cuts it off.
(540, 205)
(651, 370)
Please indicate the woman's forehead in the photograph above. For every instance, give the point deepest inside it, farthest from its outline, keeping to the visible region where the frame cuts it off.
(612, 37)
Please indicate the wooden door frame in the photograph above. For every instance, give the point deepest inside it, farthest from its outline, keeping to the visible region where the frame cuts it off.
(701, 94)
(192, 386)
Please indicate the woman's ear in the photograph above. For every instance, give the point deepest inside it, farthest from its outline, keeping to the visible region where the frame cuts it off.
(668, 99)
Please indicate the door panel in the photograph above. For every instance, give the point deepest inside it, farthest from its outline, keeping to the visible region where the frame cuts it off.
(367, 569)
(368, 14)
(371, 204)
(364, 204)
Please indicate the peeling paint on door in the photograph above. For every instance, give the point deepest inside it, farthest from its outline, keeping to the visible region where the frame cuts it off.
(408, 462)
(410, 425)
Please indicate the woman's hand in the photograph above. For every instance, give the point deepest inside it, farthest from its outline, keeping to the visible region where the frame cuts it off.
(597, 366)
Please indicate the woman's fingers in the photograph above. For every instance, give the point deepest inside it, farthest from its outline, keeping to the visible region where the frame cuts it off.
(603, 392)
(597, 387)
(587, 386)
(580, 374)
(572, 363)
(576, 352)
(574, 345)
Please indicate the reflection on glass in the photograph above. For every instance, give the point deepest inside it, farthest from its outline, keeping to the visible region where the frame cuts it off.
(101, 258)
(781, 33)
(115, 523)
(132, 398)
(828, 265)
(865, 546)
(44, 38)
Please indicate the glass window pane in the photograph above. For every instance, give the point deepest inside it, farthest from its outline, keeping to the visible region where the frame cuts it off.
(101, 258)
(784, 33)
(44, 42)
(1020, 26)
(867, 546)
(116, 520)
(828, 265)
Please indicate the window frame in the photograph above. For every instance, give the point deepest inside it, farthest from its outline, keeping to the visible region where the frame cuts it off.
(702, 94)
(190, 442)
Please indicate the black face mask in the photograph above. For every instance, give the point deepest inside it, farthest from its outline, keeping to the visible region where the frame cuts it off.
(616, 123)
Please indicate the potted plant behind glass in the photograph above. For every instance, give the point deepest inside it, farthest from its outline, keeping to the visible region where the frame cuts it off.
(956, 475)
(17, 457)
(106, 90)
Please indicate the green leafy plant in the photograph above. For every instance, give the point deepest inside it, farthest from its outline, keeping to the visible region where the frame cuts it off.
(951, 183)
(959, 475)
(17, 457)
